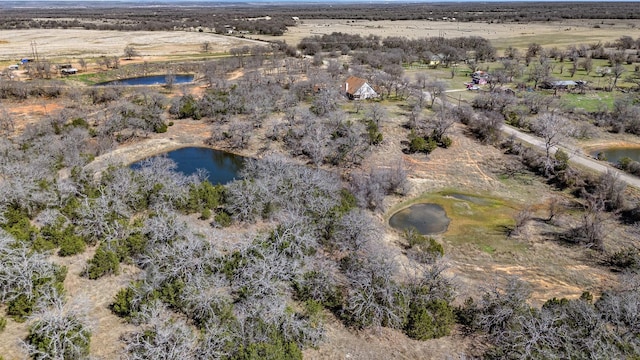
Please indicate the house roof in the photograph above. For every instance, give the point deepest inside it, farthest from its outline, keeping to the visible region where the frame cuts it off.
(564, 83)
(479, 74)
(354, 83)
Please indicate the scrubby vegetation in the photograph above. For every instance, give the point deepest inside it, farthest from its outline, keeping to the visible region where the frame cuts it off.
(254, 268)
(253, 19)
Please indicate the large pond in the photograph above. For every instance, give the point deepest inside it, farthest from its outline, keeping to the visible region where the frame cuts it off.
(613, 155)
(150, 80)
(221, 166)
(427, 218)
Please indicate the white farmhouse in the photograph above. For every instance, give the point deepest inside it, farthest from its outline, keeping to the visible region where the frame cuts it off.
(358, 88)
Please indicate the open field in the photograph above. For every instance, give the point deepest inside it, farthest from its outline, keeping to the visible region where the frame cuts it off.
(69, 44)
(560, 34)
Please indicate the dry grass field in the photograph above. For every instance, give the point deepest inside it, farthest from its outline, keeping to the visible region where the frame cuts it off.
(560, 34)
(68, 44)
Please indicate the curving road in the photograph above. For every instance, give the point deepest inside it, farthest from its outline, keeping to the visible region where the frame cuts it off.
(575, 156)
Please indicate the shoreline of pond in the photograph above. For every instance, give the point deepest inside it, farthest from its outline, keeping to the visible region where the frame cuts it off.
(184, 133)
(150, 80)
(613, 154)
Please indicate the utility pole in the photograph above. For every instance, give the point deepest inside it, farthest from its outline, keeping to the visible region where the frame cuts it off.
(34, 50)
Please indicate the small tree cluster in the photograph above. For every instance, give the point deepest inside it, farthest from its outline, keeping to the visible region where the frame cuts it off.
(25, 277)
(370, 189)
(59, 332)
(561, 328)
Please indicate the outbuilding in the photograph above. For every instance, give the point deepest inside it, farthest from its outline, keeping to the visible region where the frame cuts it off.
(69, 71)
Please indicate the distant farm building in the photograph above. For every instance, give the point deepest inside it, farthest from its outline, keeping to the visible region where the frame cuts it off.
(357, 88)
(69, 71)
(563, 84)
(480, 77)
(435, 60)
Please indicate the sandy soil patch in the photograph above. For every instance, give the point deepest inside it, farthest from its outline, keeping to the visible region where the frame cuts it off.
(384, 343)
(106, 328)
(99, 294)
(11, 339)
(29, 112)
(76, 43)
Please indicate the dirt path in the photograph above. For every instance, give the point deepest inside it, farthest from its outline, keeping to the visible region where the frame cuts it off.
(575, 156)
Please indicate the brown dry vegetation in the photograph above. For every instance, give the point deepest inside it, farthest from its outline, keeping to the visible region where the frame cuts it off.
(560, 34)
(70, 44)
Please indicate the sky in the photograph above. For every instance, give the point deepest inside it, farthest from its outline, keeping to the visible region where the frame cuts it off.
(276, 1)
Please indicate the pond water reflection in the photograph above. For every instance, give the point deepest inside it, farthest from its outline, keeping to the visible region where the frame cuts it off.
(426, 218)
(613, 155)
(149, 80)
(221, 166)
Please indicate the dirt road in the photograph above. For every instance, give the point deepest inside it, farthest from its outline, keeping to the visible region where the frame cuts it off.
(574, 156)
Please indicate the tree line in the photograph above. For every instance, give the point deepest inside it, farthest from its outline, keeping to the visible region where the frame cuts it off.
(251, 18)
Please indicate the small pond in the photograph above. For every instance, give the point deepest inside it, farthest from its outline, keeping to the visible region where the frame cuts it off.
(149, 80)
(427, 218)
(221, 166)
(613, 155)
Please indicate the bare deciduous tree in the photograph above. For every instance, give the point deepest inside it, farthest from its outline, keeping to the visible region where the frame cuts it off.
(59, 331)
(553, 129)
(435, 89)
(374, 298)
(440, 122)
(163, 337)
(205, 46)
(355, 231)
(130, 52)
(23, 271)
(521, 219)
(370, 189)
(7, 124)
(376, 113)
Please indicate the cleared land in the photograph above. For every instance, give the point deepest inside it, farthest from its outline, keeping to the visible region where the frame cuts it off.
(560, 34)
(75, 43)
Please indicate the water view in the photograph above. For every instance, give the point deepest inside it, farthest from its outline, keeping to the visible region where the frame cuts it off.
(221, 166)
(613, 155)
(149, 80)
(427, 218)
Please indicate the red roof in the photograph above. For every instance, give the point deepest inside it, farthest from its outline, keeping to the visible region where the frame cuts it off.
(353, 83)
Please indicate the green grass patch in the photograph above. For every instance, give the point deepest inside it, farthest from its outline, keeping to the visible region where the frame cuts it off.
(90, 78)
(476, 219)
(589, 102)
(488, 249)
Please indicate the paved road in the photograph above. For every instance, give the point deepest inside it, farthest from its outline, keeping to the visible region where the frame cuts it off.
(575, 156)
